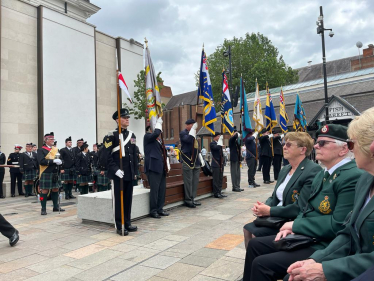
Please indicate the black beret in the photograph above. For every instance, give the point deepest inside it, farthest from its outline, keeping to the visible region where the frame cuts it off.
(81, 139)
(217, 134)
(124, 113)
(49, 134)
(84, 146)
(68, 139)
(55, 143)
(33, 145)
(29, 143)
(263, 131)
(147, 128)
(190, 121)
(235, 130)
(333, 131)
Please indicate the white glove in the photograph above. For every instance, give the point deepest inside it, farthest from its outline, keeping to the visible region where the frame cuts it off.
(119, 173)
(193, 131)
(159, 124)
(271, 135)
(57, 161)
(255, 135)
(220, 140)
(282, 136)
(201, 160)
(168, 163)
(194, 126)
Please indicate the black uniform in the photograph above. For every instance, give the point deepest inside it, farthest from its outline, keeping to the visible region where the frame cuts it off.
(67, 157)
(217, 167)
(110, 161)
(95, 168)
(266, 156)
(28, 166)
(83, 165)
(278, 155)
(2, 172)
(235, 159)
(15, 174)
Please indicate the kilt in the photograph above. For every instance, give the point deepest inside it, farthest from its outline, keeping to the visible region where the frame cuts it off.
(84, 179)
(67, 177)
(29, 175)
(45, 181)
(103, 179)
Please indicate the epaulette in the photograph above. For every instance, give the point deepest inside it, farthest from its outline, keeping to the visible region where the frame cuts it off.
(110, 133)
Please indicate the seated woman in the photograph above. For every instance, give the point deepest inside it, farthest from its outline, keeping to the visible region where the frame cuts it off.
(293, 186)
(351, 253)
(332, 196)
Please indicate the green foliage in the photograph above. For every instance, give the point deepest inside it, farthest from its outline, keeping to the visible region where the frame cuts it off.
(253, 56)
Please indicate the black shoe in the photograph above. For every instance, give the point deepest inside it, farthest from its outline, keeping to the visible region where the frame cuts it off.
(13, 195)
(125, 233)
(271, 181)
(56, 210)
(71, 196)
(155, 216)
(223, 195)
(26, 195)
(196, 203)
(32, 194)
(218, 196)
(131, 228)
(163, 214)
(267, 182)
(44, 212)
(236, 189)
(14, 239)
(67, 197)
(190, 205)
(256, 185)
(21, 194)
(2, 197)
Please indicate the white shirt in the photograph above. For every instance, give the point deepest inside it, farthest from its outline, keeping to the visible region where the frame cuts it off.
(281, 188)
(341, 163)
(203, 151)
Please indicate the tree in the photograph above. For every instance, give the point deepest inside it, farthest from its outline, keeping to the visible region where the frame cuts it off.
(253, 56)
(139, 102)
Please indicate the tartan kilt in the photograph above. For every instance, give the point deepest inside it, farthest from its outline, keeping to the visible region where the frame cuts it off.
(103, 179)
(29, 175)
(84, 179)
(45, 181)
(67, 177)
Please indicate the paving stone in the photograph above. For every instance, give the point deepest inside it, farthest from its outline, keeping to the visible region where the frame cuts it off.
(85, 251)
(210, 253)
(224, 269)
(138, 255)
(124, 247)
(174, 254)
(16, 254)
(160, 262)
(79, 243)
(161, 244)
(181, 272)
(198, 261)
(178, 238)
(137, 273)
(18, 275)
(238, 253)
(201, 277)
(95, 259)
(58, 274)
(226, 242)
(20, 263)
(49, 264)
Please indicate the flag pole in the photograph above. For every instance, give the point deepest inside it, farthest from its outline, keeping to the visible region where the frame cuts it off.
(271, 124)
(256, 126)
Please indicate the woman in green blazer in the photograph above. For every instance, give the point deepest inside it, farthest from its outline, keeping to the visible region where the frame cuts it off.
(293, 186)
(352, 252)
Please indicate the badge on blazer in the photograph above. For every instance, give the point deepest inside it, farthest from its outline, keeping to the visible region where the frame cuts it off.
(295, 196)
(325, 129)
(334, 177)
(133, 141)
(324, 207)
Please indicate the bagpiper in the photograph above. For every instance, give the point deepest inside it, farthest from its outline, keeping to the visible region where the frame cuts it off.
(83, 165)
(68, 168)
(94, 159)
(102, 177)
(28, 166)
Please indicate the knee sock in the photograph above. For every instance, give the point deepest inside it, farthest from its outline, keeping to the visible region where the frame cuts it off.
(43, 200)
(54, 197)
(66, 188)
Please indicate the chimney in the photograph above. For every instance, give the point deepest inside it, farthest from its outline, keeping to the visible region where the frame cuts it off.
(310, 64)
(369, 51)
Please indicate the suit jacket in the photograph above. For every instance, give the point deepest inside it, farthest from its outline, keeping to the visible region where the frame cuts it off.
(250, 146)
(13, 159)
(328, 205)
(217, 156)
(154, 160)
(27, 163)
(187, 146)
(296, 192)
(265, 146)
(67, 157)
(277, 145)
(351, 253)
(94, 158)
(83, 164)
(2, 161)
(235, 151)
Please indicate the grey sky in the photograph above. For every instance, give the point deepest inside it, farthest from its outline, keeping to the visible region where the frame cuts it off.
(176, 30)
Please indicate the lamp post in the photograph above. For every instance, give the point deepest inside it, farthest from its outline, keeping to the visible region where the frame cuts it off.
(321, 30)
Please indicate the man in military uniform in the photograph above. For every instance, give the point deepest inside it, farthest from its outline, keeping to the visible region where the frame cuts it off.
(217, 164)
(250, 158)
(278, 154)
(266, 155)
(2, 173)
(15, 173)
(49, 173)
(68, 168)
(110, 160)
(94, 160)
(102, 177)
(235, 160)
(191, 163)
(77, 149)
(28, 167)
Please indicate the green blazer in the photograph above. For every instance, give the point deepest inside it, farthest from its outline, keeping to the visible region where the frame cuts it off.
(297, 190)
(350, 254)
(328, 205)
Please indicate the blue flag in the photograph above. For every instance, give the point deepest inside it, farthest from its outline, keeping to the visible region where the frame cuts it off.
(205, 93)
(226, 107)
(283, 117)
(299, 123)
(271, 118)
(246, 121)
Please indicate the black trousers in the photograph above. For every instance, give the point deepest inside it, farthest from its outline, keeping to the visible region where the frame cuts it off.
(13, 178)
(263, 262)
(251, 163)
(266, 164)
(127, 201)
(217, 180)
(157, 182)
(6, 228)
(259, 163)
(277, 164)
(368, 275)
(1, 182)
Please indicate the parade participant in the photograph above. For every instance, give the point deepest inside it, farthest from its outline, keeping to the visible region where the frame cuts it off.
(172, 156)
(68, 175)
(111, 161)
(34, 148)
(155, 169)
(331, 199)
(235, 160)
(2, 173)
(28, 167)
(102, 177)
(250, 158)
(77, 149)
(83, 166)
(217, 164)
(266, 155)
(49, 178)
(293, 188)
(94, 160)
(191, 163)
(351, 253)
(9, 231)
(278, 154)
(15, 173)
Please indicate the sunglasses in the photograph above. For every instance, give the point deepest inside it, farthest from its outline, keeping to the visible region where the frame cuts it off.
(321, 143)
(288, 144)
(350, 144)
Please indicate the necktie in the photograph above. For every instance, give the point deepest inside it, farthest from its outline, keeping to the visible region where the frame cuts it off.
(326, 176)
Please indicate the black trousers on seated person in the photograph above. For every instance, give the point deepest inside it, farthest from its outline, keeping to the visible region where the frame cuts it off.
(368, 275)
(264, 262)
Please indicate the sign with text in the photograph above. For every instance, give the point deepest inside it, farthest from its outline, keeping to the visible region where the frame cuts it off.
(337, 112)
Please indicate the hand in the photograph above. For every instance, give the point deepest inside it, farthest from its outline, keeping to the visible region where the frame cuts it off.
(271, 135)
(159, 124)
(57, 162)
(282, 136)
(202, 162)
(119, 173)
(262, 210)
(159, 120)
(287, 226)
(308, 272)
(220, 140)
(194, 126)
(62, 171)
(238, 136)
(282, 233)
(102, 173)
(299, 264)
(255, 134)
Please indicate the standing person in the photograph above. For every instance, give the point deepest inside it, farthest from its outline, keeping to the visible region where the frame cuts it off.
(68, 175)
(77, 149)
(15, 173)
(191, 163)
(266, 155)
(83, 164)
(9, 231)
(110, 160)
(250, 144)
(49, 178)
(259, 157)
(203, 152)
(2, 173)
(34, 148)
(217, 164)
(173, 156)
(278, 154)
(155, 170)
(102, 177)
(28, 166)
(94, 160)
(235, 159)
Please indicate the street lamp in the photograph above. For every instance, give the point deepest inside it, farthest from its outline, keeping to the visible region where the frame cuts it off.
(359, 46)
(321, 30)
(228, 54)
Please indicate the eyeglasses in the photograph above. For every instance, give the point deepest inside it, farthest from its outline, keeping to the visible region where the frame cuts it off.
(288, 144)
(321, 143)
(350, 144)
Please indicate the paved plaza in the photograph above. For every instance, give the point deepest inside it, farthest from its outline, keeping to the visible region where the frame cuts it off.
(205, 243)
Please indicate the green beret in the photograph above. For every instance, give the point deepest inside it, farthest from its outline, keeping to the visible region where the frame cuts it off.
(333, 131)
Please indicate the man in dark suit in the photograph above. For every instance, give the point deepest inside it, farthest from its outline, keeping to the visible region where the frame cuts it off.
(278, 154)
(2, 172)
(217, 164)
(15, 173)
(250, 157)
(68, 170)
(28, 166)
(266, 155)
(235, 159)
(154, 168)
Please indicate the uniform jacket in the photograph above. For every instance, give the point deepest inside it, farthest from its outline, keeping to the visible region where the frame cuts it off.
(217, 156)
(350, 254)
(154, 160)
(2, 161)
(250, 146)
(13, 159)
(41, 154)
(296, 192)
(187, 143)
(235, 151)
(94, 158)
(76, 150)
(83, 164)
(265, 143)
(328, 204)
(110, 161)
(277, 145)
(67, 157)
(27, 162)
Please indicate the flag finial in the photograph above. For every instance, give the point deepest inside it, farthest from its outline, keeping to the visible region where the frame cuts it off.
(146, 42)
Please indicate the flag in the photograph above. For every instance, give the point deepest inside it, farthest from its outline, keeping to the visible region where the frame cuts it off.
(246, 121)
(152, 91)
(257, 111)
(299, 122)
(123, 85)
(283, 117)
(205, 93)
(271, 118)
(226, 108)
